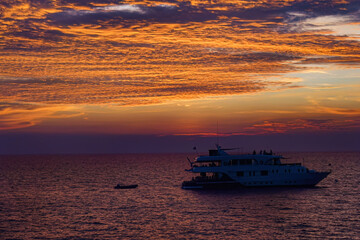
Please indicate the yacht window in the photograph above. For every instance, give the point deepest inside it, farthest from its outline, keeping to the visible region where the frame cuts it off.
(240, 174)
(244, 161)
(264, 173)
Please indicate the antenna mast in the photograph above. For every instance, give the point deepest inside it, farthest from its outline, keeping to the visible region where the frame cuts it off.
(217, 133)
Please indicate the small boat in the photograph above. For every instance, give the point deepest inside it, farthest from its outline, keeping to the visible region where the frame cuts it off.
(121, 186)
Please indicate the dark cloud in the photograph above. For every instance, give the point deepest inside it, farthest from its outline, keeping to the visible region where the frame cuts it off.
(299, 18)
(184, 12)
(9, 3)
(53, 4)
(113, 13)
(125, 12)
(262, 56)
(164, 13)
(26, 47)
(32, 32)
(330, 59)
(16, 105)
(87, 2)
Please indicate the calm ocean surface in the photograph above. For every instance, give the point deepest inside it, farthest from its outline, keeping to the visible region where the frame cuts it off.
(73, 197)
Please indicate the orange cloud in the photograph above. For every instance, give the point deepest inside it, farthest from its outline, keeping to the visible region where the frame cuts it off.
(286, 126)
(23, 116)
(101, 60)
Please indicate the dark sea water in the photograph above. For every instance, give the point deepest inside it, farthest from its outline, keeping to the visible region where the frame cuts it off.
(73, 197)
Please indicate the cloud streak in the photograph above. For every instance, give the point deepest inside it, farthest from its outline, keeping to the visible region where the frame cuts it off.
(286, 126)
(17, 116)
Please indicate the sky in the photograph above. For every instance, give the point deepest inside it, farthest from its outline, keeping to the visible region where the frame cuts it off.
(104, 76)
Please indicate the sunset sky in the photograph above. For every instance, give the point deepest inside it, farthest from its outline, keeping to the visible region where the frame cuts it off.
(80, 76)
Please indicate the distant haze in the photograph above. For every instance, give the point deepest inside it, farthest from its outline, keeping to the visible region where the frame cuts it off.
(77, 144)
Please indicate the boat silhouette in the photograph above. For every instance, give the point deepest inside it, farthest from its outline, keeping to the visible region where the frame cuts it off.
(122, 186)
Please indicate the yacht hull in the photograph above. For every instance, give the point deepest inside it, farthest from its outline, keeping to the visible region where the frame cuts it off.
(309, 180)
(210, 185)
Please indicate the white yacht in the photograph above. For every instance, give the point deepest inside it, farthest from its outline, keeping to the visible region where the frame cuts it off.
(221, 170)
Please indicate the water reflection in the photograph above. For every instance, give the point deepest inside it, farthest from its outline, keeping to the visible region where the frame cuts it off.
(72, 196)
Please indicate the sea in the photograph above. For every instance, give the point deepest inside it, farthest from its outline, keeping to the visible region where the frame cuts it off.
(73, 197)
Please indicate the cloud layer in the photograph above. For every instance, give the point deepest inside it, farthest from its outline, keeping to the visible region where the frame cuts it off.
(149, 52)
